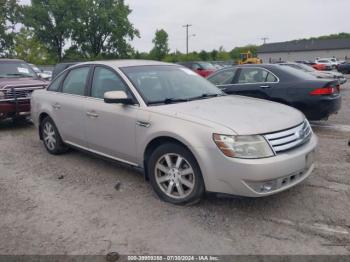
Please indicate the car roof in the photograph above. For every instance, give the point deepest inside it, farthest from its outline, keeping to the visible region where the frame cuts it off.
(126, 63)
(267, 66)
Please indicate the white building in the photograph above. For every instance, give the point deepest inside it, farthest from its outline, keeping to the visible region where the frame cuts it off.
(305, 50)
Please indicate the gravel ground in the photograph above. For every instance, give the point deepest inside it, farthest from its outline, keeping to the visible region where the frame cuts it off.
(69, 205)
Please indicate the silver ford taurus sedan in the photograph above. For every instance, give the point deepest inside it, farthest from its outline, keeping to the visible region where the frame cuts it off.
(185, 134)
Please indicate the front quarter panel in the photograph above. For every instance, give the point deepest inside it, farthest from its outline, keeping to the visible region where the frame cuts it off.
(195, 136)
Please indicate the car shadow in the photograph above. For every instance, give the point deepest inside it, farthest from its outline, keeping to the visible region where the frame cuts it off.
(8, 125)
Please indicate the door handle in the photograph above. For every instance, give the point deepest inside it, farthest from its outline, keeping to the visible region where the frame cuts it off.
(56, 106)
(264, 87)
(92, 114)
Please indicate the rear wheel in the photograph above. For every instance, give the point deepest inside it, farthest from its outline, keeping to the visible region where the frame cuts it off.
(51, 138)
(175, 175)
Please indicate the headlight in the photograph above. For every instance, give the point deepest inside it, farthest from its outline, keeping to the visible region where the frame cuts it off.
(249, 147)
(2, 95)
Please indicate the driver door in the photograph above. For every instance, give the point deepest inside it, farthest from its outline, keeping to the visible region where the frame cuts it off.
(110, 128)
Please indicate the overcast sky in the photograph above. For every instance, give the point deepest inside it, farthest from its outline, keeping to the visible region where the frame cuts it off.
(231, 23)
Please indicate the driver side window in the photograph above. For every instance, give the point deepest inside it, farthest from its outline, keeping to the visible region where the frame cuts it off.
(105, 80)
(224, 77)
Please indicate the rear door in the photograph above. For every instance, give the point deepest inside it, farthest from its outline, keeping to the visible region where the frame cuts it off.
(254, 82)
(69, 106)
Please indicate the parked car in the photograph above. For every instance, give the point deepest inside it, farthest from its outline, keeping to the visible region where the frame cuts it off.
(320, 67)
(61, 67)
(319, 74)
(316, 98)
(17, 82)
(41, 73)
(329, 65)
(185, 133)
(202, 68)
(344, 68)
(334, 62)
(305, 62)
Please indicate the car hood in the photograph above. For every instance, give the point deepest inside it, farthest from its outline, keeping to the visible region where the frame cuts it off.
(243, 115)
(21, 82)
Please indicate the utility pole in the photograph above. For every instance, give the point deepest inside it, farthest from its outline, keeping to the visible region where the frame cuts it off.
(265, 39)
(187, 26)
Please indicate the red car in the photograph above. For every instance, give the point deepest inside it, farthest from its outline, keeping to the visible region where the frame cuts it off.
(17, 82)
(319, 67)
(202, 68)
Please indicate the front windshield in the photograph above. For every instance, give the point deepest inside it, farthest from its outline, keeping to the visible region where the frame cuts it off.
(165, 84)
(36, 69)
(16, 69)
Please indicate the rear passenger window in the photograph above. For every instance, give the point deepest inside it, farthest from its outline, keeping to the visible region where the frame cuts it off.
(75, 81)
(271, 78)
(255, 75)
(252, 75)
(55, 85)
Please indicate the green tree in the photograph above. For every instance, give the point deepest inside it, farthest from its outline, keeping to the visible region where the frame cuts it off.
(28, 48)
(8, 19)
(214, 55)
(235, 52)
(204, 55)
(222, 54)
(161, 46)
(51, 22)
(102, 27)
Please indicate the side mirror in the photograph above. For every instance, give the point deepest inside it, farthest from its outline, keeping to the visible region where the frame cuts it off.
(117, 97)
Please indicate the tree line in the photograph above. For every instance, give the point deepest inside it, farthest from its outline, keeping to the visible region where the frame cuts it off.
(51, 31)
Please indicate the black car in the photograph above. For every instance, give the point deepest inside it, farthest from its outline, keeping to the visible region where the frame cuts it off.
(344, 68)
(316, 98)
(61, 67)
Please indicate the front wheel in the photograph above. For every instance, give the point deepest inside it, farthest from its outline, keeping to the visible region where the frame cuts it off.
(51, 138)
(175, 175)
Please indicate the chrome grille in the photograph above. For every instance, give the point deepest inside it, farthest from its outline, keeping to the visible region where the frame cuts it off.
(291, 138)
(12, 94)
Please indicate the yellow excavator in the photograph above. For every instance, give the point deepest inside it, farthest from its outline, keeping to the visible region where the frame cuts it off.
(248, 58)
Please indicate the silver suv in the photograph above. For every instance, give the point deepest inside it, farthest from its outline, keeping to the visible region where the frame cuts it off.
(186, 134)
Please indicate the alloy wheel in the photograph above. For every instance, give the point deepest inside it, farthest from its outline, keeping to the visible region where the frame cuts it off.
(175, 176)
(49, 136)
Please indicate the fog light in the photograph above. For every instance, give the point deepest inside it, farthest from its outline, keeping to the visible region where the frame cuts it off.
(266, 188)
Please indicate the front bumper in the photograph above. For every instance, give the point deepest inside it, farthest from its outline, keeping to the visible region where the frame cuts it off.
(244, 177)
(9, 108)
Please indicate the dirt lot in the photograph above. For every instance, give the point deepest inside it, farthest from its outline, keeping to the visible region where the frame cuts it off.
(69, 205)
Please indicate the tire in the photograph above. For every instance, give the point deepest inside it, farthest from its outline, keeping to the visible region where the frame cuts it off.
(175, 181)
(51, 137)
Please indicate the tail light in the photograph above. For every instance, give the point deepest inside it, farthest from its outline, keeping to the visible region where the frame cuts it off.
(324, 91)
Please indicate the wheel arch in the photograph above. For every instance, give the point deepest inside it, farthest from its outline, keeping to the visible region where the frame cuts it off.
(156, 142)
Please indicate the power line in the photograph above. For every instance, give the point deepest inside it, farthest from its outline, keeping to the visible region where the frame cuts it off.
(265, 39)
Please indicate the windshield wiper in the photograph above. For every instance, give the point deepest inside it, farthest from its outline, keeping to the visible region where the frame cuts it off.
(206, 95)
(19, 74)
(169, 101)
